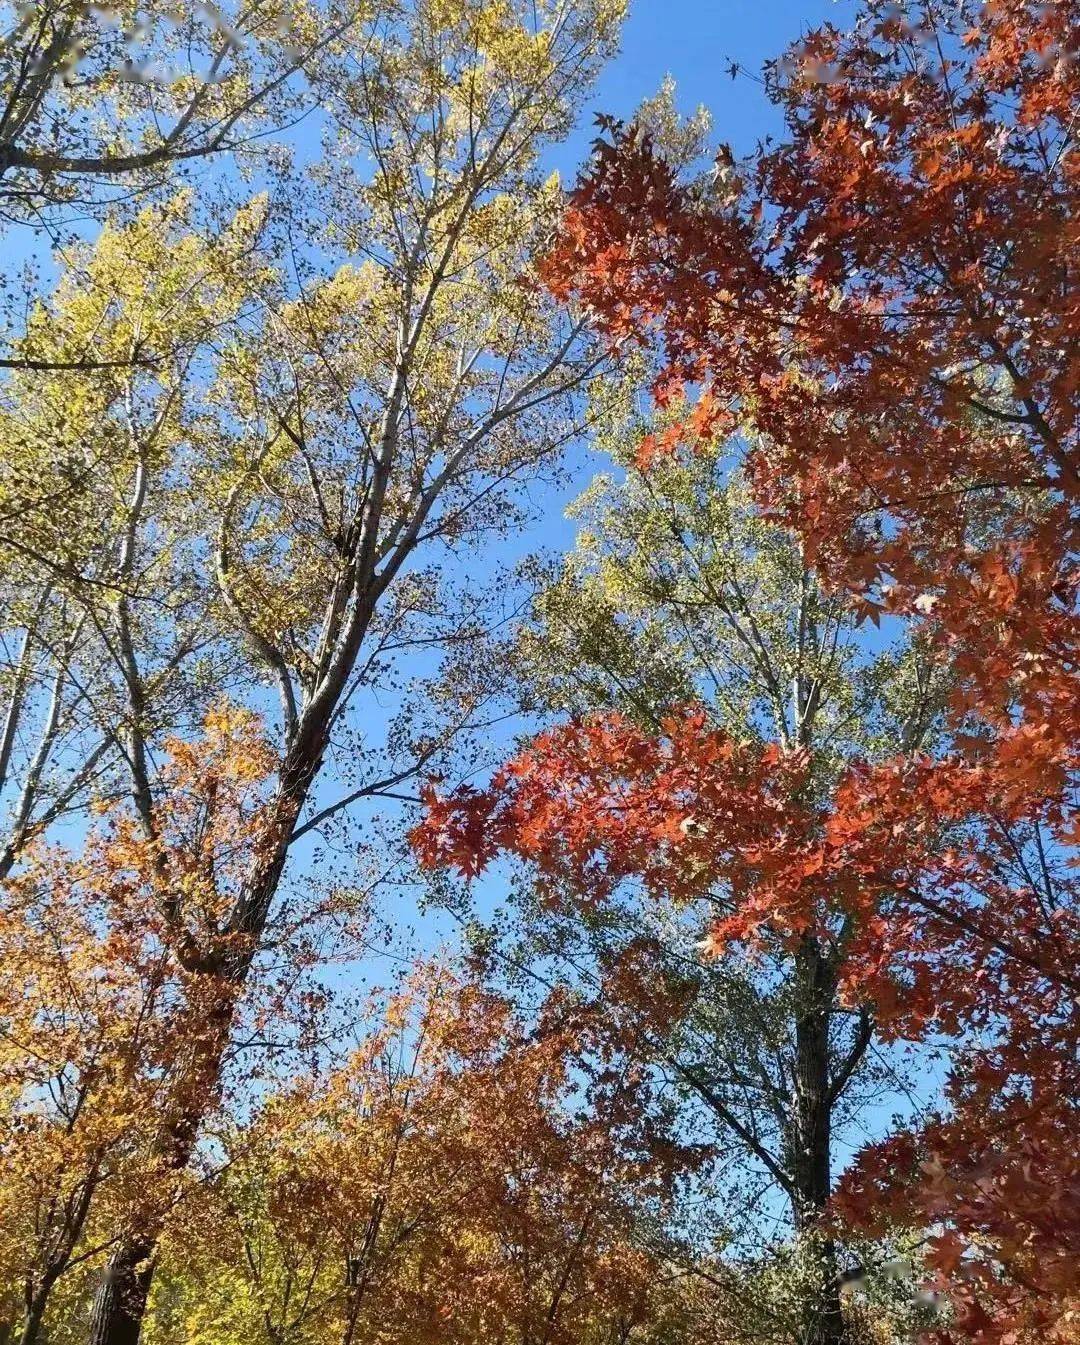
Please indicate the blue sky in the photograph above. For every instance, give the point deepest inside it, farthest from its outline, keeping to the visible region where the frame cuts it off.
(694, 41)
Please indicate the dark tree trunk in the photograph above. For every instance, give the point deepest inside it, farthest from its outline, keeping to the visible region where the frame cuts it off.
(824, 1321)
(120, 1303)
(31, 1328)
(810, 1138)
(38, 1300)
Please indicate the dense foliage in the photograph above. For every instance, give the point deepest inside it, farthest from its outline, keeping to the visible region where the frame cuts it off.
(886, 302)
(763, 1024)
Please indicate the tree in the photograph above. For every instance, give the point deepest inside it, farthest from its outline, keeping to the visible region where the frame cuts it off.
(101, 1015)
(464, 1175)
(887, 298)
(346, 429)
(96, 97)
(678, 590)
(595, 803)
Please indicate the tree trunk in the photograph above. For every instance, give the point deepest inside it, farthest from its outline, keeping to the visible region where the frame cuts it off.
(31, 1328)
(38, 1300)
(823, 1323)
(810, 1139)
(120, 1302)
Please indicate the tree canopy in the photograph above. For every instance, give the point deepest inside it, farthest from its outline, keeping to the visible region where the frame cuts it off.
(756, 806)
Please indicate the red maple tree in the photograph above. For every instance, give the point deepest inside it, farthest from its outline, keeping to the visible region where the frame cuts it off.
(939, 938)
(886, 300)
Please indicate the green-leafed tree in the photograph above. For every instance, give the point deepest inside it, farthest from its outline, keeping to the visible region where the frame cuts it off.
(678, 591)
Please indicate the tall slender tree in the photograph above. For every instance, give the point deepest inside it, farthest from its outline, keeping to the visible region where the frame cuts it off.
(679, 592)
(337, 445)
(99, 1014)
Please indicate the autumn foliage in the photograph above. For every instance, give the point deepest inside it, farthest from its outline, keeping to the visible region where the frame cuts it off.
(888, 298)
(110, 996)
(936, 936)
(886, 302)
(250, 450)
(462, 1175)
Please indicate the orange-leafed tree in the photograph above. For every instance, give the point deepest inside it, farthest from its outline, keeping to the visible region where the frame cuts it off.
(886, 298)
(884, 875)
(466, 1174)
(109, 1000)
